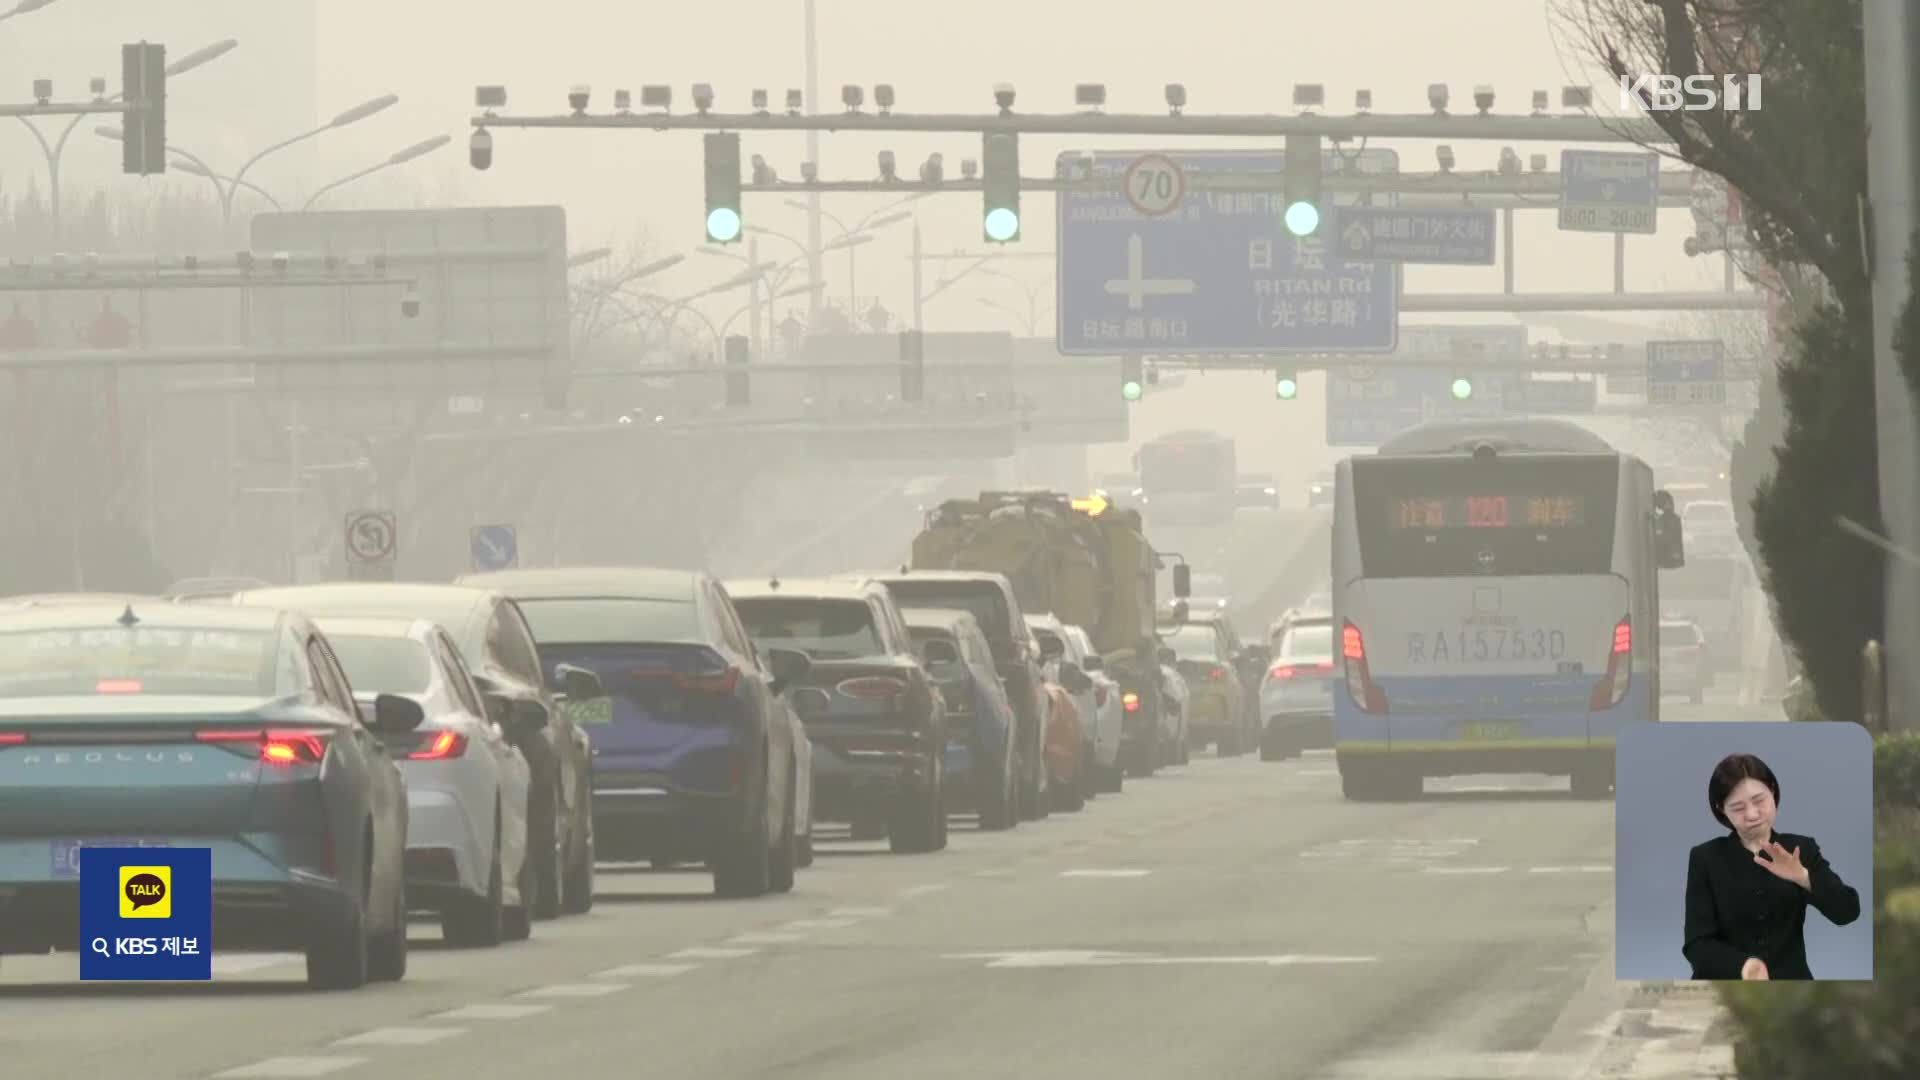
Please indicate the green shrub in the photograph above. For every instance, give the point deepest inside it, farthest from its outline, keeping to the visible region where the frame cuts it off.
(1864, 1030)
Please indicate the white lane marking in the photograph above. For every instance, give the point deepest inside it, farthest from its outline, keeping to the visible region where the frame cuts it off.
(491, 1012)
(1105, 873)
(292, 1066)
(861, 912)
(1071, 958)
(1465, 869)
(765, 937)
(575, 990)
(399, 1036)
(1317, 772)
(651, 971)
(707, 952)
(245, 962)
(993, 873)
(821, 924)
(1570, 869)
(922, 890)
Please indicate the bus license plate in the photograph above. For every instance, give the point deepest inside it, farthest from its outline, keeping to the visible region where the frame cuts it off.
(1489, 730)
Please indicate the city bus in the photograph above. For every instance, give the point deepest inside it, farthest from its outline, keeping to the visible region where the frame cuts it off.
(1189, 478)
(1496, 596)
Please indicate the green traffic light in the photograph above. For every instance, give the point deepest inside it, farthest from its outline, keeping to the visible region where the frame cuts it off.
(1002, 224)
(723, 225)
(1285, 388)
(1130, 390)
(1303, 218)
(1462, 389)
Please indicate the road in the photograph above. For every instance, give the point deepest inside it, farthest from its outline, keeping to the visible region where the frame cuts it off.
(1227, 919)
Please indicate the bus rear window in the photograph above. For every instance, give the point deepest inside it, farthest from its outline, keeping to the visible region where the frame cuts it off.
(1510, 516)
(1187, 467)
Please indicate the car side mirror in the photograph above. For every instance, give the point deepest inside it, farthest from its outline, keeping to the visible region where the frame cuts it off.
(396, 715)
(527, 716)
(787, 666)
(1092, 662)
(1182, 580)
(939, 651)
(1166, 656)
(577, 683)
(1073, 679)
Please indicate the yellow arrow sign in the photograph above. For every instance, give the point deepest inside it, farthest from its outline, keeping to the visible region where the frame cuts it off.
(1094, 505)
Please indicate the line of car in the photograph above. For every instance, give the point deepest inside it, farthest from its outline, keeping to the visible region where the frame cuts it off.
(355, 754)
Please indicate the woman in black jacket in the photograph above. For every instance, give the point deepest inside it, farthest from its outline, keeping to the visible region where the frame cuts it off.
(1748, 891)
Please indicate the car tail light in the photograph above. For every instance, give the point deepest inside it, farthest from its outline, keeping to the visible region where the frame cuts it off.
(1360, 685)
(274, 747)
(872, 686)
(1612, 687)
(11, 738)
(1130, 701)
(117, 686)
(719, 683)
(1288, 671)
(1216, 673)
(439, 746)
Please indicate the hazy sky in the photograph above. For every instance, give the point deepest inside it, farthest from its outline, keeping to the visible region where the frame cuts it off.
(1233, 56)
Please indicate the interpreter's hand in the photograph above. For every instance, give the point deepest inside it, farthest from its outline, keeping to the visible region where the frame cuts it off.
(1754, 969)
(1782, 863)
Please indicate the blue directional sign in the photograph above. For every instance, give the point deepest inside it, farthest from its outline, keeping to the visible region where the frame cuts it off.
(494, 547)
(1687, 372)
(1454, 236)
(1548, 397)
(1609, 191)
(1215, 274)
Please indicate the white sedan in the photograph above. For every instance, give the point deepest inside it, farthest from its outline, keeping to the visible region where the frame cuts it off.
(466, 784)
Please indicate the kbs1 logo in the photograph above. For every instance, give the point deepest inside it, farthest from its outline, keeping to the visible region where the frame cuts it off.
(1694, 93)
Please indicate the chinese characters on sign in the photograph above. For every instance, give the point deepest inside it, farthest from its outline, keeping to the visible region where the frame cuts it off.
(1455, 236)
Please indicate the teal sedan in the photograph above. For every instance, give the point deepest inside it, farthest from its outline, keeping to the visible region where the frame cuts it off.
(151, 724)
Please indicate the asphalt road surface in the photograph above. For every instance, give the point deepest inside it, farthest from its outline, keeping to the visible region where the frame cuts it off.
(1227, 919)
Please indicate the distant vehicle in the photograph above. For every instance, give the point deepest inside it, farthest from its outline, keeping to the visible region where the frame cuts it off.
(1208, 655)
(980, 761)
(1506, 568)
(1109, 720)
(1189, 478)
(1720, 591)
(1296, 696)
(1320, 489)
(1063, 657)
(1708, 517)
(498, 649)
(232, 730)
(1174, 747)
(875, 717)
(1258, 491)
(688, 694)
(466, 784)
(1066, 751)
(1685, 666)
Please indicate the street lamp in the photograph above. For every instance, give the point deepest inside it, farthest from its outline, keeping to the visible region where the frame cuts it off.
(54, 150)
(351, 116)
(24, 7)
(399, 157)
(194, 165)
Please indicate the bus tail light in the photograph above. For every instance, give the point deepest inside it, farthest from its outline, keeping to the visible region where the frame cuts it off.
(1612, 687)
(1360, 685)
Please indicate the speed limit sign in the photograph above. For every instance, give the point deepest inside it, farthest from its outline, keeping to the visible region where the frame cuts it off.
(1155, 184)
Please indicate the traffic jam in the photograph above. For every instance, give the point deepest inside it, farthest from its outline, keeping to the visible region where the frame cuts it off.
(360, 756)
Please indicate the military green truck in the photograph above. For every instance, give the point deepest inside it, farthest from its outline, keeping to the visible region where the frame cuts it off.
(1086, 562)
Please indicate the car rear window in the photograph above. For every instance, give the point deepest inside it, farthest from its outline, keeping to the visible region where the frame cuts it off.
(610, 620)
(1194, 641)
(138, 660)
(382, 665)
(823, 629)
(1308, 641)
(982, 599)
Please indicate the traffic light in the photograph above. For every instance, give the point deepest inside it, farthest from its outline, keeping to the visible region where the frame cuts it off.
(1462, 388)
(1286, 384)
(1303, 184)
(1132, 375)
(143, 84)
(913, 365)
(736, 357)
(1000, 181)
(723, 187)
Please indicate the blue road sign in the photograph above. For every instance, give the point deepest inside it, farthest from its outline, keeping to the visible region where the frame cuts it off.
(1552, 396)
(1216, 275)
(1686, 372)
(1609, 191)
(1368, 407)
(494, 547)
(1462, 237)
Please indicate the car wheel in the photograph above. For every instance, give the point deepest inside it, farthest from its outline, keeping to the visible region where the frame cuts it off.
(516, 923)
(997, 805)
(337, 957)
(478, 922)
(785, 855)
(577, 897)
(544, 851)
(387, 953)
(740, 868)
